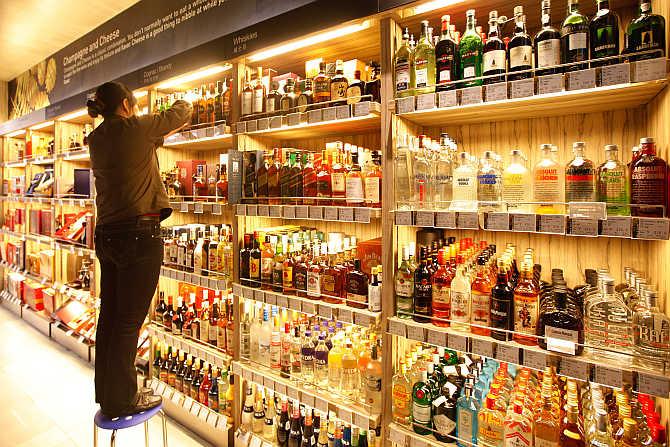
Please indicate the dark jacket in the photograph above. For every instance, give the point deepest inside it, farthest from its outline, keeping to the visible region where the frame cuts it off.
(125, 164)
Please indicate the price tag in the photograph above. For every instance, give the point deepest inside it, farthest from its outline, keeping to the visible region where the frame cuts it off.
(204, 414)
(362, 320)
(176, 398)
(289, 212)
(509, 354)
(397, 437)
(237, 369)
(195, 409)
(344, 415)
(497, 221)
(314, 116)
(216, 209)
(362, 108)
(417, 442)
(615, 74)
(551, 223)
(295, 304)
(416, 333)
(447, 99)
(268, 383)
(425, 101)
(403, 218)
(575, 368)
(652, 228)
(467, 220)
(330, 213)
(188, 403)
(252, 126)
(198, 208)
(293, 119)
(160, 389)
(362, 215)
(425, 219)
(316, 212)
(222, 423)
(445, 219)
(496, 92)
(582, 79)
(301, 212)
(550, 84)
(325, 311)
(583, 227)
(361, 421)
(482, 347)
(293, 393)
(275, 211)
(237, 290)
(523, 222)
(252, 210)
(617, 226)
(345, 316)
(241, 210)
(256, 442)
(342, 112)
(259, 295)
(257, 378)
(308, 308)
(282, 301)
(436, 338)
(263, 123)
(329, 114)
(308, 400)
(522, 88)
(649, 69)
(654, 385)
(276, 122)
(346, 214)
(457, 342)
(321, 405)
(263, 210)
(397, 328)
(587, 210)
(183, 207)
(534, 359)
(405, 105)
(280, 388)
(609, 376)
(471, 95)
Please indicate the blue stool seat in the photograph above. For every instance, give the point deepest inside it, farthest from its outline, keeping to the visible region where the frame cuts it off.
(122, 422)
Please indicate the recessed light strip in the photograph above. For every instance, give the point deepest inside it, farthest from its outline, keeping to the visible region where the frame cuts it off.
(16, 133)
(185, 79)
(433, 5)
(73, 115)
(42, 125)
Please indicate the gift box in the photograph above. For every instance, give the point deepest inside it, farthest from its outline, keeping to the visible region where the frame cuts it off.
(32, 294)
(370, 254)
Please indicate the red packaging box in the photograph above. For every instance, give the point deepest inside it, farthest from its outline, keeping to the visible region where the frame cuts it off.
(186, 170)
(46, 217)
(370, 254)
(35, 221)
(49, 300)
(32, 295)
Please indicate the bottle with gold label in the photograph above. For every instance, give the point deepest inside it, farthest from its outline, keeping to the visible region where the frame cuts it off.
(526, 307)
(338, 85)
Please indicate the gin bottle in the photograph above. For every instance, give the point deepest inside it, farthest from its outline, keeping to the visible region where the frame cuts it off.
(443, 176)
(470, 52)
(465, 185)
(579, 176)
(467, 411)
(651, 333)
(575, 38)
(548, 183)
(402, 65)
(401, 396)
(421, 171)
(613, 183)
(516, 184)
(489, 184)
(421, 405)
(424, 62)
(646, 32)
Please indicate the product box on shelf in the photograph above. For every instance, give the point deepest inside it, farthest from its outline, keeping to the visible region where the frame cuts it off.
(49, 299)
(35, 221)
(15, 284)
(33, 263)
(47, 264)
(74, 228)
(46, 217)
(32, 294)
(370, 254)
(187, 168)
(82, 182)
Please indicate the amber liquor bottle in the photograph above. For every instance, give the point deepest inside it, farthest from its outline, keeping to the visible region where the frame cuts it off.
(526, 307)
(274, 187)
(309, 185)
(357, 287)
(262, 181)
(321, 85)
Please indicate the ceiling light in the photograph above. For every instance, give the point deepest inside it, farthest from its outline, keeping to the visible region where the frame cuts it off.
(42, 125)
(435, 4)
(16, 133)
(302, 43)
(73, 115)
(140, 94)
(185, 79)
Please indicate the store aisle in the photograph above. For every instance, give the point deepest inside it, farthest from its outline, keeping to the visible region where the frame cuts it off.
(46, 396)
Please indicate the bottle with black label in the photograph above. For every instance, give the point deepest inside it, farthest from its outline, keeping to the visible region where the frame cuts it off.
(495, 57)
(520, 48)
(502, 297)
(604, 34)
(423, 291)
(575, 38)
(547, 44)
(646, 32)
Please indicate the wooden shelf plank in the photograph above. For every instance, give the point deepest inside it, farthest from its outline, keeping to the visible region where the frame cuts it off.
(353, 125)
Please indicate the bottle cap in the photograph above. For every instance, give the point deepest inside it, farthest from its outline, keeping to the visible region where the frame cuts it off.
(611, 148)
(578, 145)
(646, 140)
(546, 147)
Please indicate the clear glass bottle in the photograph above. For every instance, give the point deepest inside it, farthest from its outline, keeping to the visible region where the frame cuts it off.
(516, 184)
(401, 396)
(613, 183)
(424, 62)
(608, 324)
(491, 427)
(403, 62)
(402, 168)
(421, 175)
(443, 175)
(575, 38)
(651, 333)
(548, 188)
(601, 436)
(470, 52)
(461, 299)
(580, 176)
(465, 185)
(489, 184)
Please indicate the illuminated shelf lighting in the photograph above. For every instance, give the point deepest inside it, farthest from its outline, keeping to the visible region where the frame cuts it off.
(16, 133)
(42, 125)
(435, 4)
(185, 79)
(73, 115)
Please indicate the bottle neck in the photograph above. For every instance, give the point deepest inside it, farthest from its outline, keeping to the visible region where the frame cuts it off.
(493, 29)
(470, 24)
(574, 7)
(603, 5)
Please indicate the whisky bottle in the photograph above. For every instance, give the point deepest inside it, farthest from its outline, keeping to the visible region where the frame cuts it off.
(495, 57)
(289, 100)
(355, 89)
(604, 34)
(559, 323)
(247, 98)
(321, 85)
(306, 96)
(338, 85)
(373, 88)
(645, 33)
(520, 48)
(403, 62)
(575, 38)
(258, 105)
(356, 284)
(424, 63)
(547, 44)
(273, 99)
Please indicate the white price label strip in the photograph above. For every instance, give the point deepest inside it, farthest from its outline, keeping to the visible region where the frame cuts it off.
(416, 333)
(457, 342)
(575, 368)
(534, 359)
(609, 376)
(403, 218)
(506, 353)
(436, 338)
(654, 385)
(397, 328)
(482, 347)
(397, 437)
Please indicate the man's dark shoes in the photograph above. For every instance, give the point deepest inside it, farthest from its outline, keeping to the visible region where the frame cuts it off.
(144, 401)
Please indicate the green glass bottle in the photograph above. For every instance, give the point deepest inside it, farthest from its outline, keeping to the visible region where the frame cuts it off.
(424, 62)
(613, 183)
(403, 68)
(470, 53)
(422, 405)
(604, 28)
(646, 32)
(575, 38)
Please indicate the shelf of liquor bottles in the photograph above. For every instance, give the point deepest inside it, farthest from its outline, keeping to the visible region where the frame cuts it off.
(209, 282)
(643, 228)
(209, 353)
(201, 138)
(319, 122)
(213, 207)
(316, 305)
(311, 212)
(347, 409)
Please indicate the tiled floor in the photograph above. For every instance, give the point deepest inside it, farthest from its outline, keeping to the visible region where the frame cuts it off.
(46, 396)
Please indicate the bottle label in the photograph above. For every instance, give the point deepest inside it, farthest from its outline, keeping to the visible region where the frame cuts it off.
(374, 299)
(328, 284)
(577, 41)
(421, 73)
(270, 105)
(547, 187)
(441, 295)
(423, 297)
(460, 306)
(648, 183)
(338, 90)
(653, 333)
(221, 337)
(247, 102)
(339, 182)
(500, 313)
(604, 44)
(520, 56)
(612, 186)
(525, 314)
(373, 384)
(421, 414)
(300, 279)
(313, 284)
(213, 333)
(481, 309)
(258, 101)
(404, 287)
(494, 60)
(445, 76)
(354, 94)
(548, 53)
(579, 185)
(287, 277)
(321, 88)
(444, 425)
(354, 189)
(402, 77)
(465, 422)
(204, 330)
(372, 190)
(469, 72)
(255, 269)
(267, 265)
(401, 397)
